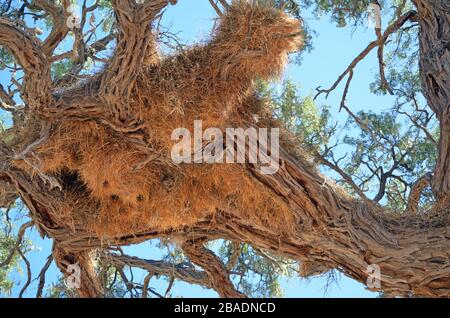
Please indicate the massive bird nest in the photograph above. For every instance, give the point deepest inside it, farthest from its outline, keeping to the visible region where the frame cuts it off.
(117, 190)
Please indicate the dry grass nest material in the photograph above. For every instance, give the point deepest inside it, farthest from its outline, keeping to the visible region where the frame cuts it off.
(214, 83)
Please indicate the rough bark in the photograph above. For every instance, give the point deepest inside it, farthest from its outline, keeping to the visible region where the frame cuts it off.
(27, 51)
(331, 230)
(216, 271)
(182, 272)
(89, 282)
(434, 20)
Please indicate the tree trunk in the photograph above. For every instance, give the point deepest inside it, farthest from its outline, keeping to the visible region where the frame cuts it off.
(434, 20)
(89, 283)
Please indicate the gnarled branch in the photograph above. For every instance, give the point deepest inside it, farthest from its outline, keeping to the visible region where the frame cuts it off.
(434, 20)
(60, 27)
(217, 273)
(182, 272)
(134, 41)
(27, 51)
(416, 191)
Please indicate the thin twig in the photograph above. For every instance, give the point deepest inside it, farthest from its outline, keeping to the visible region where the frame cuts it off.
(391, 29)
(28, 282)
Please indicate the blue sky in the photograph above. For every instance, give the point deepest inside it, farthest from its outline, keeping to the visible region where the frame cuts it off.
(334, 49)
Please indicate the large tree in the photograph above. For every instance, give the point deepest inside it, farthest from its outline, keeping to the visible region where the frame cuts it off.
(89, 150)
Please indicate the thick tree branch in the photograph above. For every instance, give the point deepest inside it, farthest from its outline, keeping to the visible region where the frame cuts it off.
(146, 285)
(89, 282)
(181, 272)
(27, 51)
(434, 21)
(416, 192)
(133, 43)
(8, 194)
(23, 45)
(59, 29)
(395, 247)
(217, 273)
